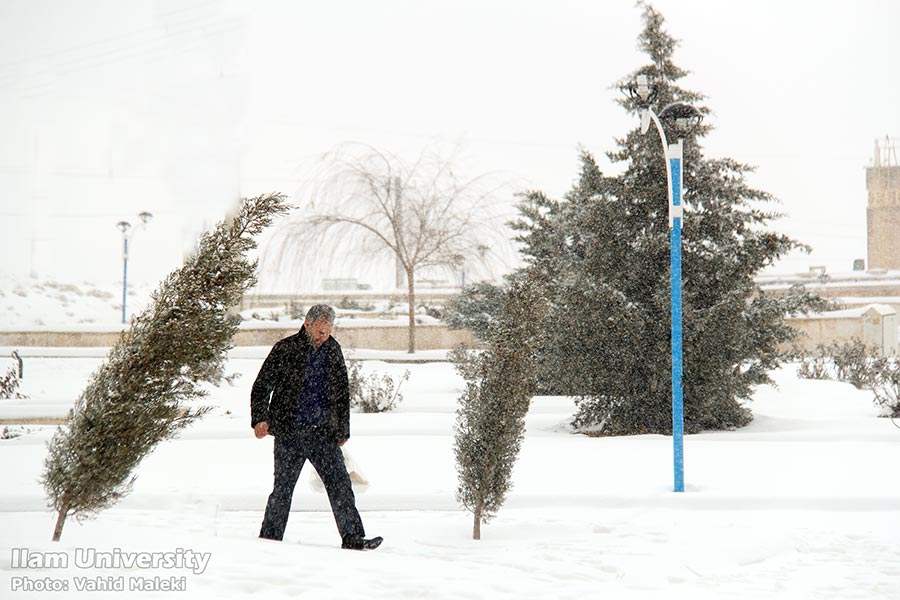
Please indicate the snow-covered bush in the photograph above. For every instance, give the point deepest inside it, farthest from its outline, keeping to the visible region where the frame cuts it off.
(816, 365)
(9, 385)
(347, 303)
(375, 393)
(886, 385)
(11, 433)
(854, 363)
(851, 362)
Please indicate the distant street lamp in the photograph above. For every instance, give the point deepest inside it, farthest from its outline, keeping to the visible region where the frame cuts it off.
(125, 228)
(685, 118)
(459, 261)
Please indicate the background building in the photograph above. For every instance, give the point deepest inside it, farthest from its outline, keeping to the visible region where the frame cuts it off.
(883, 213)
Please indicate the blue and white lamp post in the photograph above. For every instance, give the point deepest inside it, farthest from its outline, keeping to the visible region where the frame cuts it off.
(125, 227)
(685, 119)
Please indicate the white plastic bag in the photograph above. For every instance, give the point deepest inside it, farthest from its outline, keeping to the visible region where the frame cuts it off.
(357, 478)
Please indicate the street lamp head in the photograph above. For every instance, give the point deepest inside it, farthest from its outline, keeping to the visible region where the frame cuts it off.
(145, 217)
(684, 117)
(641, 91)
(123, 226)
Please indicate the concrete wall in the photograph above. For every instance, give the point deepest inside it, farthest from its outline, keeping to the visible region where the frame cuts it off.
(428, 337)
(59, 339)
(875, 325)
(837, 289)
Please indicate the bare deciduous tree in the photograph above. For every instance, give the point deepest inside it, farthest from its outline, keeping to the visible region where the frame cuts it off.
(368, 201)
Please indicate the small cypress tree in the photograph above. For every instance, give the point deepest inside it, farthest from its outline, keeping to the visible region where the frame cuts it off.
(490, 420)
(144, 392)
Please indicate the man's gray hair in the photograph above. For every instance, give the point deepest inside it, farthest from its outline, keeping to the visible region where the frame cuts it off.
(320, 311)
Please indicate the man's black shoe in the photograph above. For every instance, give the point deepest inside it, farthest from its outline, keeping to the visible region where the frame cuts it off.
(361, 543)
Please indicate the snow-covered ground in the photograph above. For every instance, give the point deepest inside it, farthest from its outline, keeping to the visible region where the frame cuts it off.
(803, 503)
(27, 303)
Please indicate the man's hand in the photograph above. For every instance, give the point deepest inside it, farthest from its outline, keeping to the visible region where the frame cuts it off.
(261, 430)
(342, 441)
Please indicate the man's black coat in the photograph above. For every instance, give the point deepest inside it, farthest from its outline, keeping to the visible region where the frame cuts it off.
(276, 392)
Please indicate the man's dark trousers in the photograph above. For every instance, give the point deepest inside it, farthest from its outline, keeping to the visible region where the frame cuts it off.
(292, 450)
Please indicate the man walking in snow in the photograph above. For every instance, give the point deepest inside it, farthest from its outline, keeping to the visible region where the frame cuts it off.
(302, 397)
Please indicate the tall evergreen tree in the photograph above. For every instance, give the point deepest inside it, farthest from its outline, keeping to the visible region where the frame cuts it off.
(146, 390)
(490, 421)
(603, 256)
(474, 308)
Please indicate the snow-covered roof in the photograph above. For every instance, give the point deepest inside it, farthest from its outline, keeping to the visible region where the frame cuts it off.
(851, 313)
(853, 279)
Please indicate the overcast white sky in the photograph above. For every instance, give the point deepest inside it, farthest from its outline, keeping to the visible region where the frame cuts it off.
(111, 107)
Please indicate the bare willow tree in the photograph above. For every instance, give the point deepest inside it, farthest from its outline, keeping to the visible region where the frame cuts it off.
(367, 201)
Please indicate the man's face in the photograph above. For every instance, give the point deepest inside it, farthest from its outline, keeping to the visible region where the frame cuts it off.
(318, 331)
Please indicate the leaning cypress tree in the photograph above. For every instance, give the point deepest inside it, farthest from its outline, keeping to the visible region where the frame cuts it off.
(603, 252)
(490, 420)
(146, 390)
